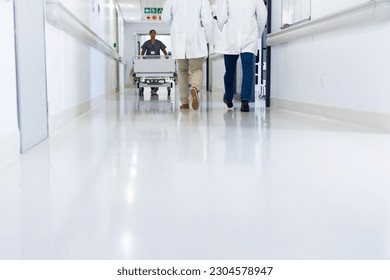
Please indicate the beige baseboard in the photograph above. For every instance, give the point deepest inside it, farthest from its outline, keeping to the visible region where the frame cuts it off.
(59, 120)
(377, 121)
(10, 148)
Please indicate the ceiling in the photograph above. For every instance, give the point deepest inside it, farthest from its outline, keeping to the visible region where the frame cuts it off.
(131, 9)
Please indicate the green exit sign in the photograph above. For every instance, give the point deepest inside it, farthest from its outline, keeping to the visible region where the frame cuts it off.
(156, 11)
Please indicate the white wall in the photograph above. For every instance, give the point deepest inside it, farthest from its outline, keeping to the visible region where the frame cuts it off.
(320, 8)
(338, 70)
(78, 76)
(9, 132)
(121, 30)
(217, 69)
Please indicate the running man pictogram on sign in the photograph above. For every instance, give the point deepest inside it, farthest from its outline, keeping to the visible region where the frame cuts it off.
(152, 13)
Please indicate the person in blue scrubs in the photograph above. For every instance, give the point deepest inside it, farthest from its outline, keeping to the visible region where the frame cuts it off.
(153, 47)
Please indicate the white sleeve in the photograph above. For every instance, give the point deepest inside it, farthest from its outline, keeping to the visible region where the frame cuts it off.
(166, 15)
(261, 16)
(222, 13)
(207, 20)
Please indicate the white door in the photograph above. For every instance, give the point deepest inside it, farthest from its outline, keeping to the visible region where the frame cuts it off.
(31, 72)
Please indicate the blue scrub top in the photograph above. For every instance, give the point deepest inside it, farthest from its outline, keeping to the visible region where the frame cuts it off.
(153, 49)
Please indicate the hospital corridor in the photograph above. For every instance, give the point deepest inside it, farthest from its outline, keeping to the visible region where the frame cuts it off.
(94, 168)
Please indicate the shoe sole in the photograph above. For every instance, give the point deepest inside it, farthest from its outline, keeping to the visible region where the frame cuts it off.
(245, 109)
(195, 99)
(228, 104)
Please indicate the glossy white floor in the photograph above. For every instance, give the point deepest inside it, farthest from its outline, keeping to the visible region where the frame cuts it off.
(140, 179)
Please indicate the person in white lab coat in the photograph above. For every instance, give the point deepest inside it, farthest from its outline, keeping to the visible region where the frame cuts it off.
(191, 30)
(242, 23)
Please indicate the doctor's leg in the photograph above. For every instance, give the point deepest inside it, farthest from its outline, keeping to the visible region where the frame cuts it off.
(248, 75)
(183, 82)
(229, 77)
(196, 71)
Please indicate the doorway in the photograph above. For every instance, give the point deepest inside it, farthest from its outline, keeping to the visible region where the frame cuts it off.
(31, 72)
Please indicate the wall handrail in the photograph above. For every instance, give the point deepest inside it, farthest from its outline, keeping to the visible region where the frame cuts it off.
(373, 10)
(58, 15)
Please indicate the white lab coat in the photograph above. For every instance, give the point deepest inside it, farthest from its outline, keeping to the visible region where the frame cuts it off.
(191, 27)
(242, 23)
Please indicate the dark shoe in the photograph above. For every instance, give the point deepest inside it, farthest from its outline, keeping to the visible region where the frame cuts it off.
(195, 99)
(185, 106)
(228, 104)
(244, 106)
(154, 94)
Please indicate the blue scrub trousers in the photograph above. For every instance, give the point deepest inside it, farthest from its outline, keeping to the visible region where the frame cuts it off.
(247, 61)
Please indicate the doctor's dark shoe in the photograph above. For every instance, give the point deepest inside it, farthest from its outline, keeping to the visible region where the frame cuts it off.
(244, 106)
(228, 104)
(195, 98)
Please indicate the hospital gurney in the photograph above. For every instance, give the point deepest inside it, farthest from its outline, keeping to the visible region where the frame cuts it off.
(154, 71)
